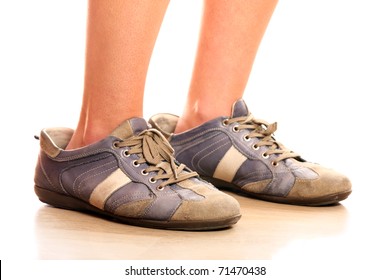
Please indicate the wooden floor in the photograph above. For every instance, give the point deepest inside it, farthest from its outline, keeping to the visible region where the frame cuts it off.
(266, 230)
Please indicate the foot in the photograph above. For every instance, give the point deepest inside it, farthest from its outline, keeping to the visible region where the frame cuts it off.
(240, 153)
(132, 177)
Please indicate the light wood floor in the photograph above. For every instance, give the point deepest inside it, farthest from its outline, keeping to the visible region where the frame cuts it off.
(266, 231)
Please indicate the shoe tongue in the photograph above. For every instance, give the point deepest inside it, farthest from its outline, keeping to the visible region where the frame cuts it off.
(130, 128)
(239, 109)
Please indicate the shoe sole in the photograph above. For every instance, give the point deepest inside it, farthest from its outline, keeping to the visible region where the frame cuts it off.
(318, 201)
(70, 203)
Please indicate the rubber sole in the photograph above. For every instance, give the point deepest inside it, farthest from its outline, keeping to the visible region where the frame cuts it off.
(70, 203)
(317, 201)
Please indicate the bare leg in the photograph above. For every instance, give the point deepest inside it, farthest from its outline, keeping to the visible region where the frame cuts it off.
(230, 35)
(120, 39)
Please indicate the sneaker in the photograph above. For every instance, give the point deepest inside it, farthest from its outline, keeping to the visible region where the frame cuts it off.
(132, 177)
(240, 153)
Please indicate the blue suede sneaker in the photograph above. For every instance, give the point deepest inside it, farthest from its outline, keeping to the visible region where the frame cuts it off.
(132, 177)
(240, 153)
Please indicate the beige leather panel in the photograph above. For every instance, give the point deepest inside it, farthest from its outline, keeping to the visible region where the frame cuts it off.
(229, 164)
(103, 191)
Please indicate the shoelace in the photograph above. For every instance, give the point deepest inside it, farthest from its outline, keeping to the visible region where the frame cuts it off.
(264, 132)
(153, 149)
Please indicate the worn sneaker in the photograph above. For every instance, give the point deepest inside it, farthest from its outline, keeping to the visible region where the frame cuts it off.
(240, 153)
(130, 176)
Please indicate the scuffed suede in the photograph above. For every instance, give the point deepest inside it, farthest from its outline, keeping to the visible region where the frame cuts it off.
(328, 183)
(213, 209)
(133, 209)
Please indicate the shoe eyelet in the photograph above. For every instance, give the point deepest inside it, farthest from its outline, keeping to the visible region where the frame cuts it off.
(143, 172)
(255, 147)
(152, 180)
(246, 138)
(126, 153)
(274, 163)
(160, 188)
(235, 128)
(265, 155)
(135, 163)
(115, 144)
(225, 122)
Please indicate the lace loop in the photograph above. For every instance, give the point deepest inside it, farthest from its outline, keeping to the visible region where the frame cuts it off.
(263, 131)
(152, 148)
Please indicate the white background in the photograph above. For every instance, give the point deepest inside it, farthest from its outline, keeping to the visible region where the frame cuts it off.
(322, 72)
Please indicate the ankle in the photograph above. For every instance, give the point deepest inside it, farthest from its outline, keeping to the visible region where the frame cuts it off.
(190, 120)
(199, 113)
(83, 137)
(182, 125)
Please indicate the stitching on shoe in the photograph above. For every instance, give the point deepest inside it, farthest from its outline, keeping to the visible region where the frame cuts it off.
(212, 151)
(91, 176)
(222, 130)
(196, 143)
(249, 176)
(45, 174)
(94, 152)
(120, 201)
(147, 209)
(197, 135)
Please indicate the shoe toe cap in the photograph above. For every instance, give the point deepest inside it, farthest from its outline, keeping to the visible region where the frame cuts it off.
(215, 206)
(329, 184)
